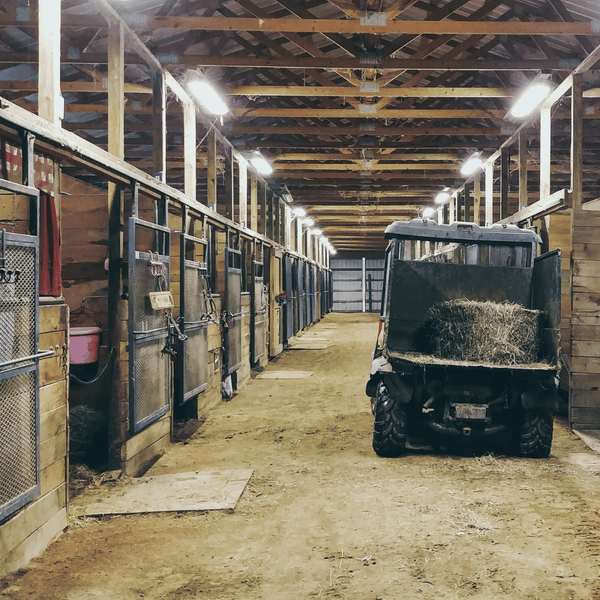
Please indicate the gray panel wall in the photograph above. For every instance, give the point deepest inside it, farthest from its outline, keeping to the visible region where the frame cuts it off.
(347, 275)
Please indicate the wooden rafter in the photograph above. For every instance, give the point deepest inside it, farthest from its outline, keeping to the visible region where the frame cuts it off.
(383, 92)
(348, 26)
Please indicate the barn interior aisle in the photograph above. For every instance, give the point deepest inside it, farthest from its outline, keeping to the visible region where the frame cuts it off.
(323, 517)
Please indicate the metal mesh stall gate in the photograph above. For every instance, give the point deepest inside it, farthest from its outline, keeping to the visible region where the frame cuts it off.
(324, 292)
(301, 294)
(313, 293)
(288, 305)
(308, 295)
(233, 305)
(149, 276)
(196, 311)
(259, 306)
(19, 360)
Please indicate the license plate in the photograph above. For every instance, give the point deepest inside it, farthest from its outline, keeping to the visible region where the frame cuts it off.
(470, 411)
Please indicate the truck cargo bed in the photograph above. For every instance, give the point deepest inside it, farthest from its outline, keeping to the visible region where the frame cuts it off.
(423, 360)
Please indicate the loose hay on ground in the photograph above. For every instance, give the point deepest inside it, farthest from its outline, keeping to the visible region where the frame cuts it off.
(488, 332)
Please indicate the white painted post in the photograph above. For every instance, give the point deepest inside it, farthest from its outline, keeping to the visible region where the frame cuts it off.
(364, 284)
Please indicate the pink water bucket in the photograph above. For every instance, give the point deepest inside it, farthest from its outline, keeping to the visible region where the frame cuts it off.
(83, 345)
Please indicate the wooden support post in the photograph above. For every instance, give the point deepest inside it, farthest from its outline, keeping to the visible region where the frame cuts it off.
(117, 307)
(189, 150)
(577, 142)
(489, 194)
(229, 187)
(243, 190)
(262, 201)
(467, 203)
(159, 126)
(460, 206)
(287, 242)
(446, 215)
(504, 181)
(50, 101)
(253, 202)
(211, 162)
(298, 247)
(523, 199)
(545, 152)
(452, 209)
(269, 213)
(477, 199)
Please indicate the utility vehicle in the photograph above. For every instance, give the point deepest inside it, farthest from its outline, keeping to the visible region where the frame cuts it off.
(416, 393)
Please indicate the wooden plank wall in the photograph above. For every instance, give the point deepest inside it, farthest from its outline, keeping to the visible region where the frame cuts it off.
(30, 530)
(585, 321)
(558, 226)
(84, 244)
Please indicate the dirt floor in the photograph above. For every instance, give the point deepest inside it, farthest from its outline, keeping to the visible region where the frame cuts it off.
(324, 517)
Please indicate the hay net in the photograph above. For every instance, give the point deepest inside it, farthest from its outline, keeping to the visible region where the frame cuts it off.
(500, 333)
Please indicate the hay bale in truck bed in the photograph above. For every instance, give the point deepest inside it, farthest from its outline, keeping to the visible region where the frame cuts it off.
(501, 333)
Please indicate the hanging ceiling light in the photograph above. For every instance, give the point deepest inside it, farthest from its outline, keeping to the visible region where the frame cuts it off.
(442, 197)
(260, 164)
(208, 97)
(308, 222)
(299, 211)
(532, 97)
(472, 164)
(428, 212)
(316, 231)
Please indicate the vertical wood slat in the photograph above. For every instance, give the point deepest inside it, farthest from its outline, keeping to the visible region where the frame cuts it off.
(545, 152)
(253, 202)
(159, 125)
(504, 181)
(477, 199)
(211, 159)
(523, 198)
(189, 150)
(243, 190)
(577, 142)
(117, 308)
(489, 193)
(50, 102)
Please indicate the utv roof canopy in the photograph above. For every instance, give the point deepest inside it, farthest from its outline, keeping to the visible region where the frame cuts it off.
(460, 232)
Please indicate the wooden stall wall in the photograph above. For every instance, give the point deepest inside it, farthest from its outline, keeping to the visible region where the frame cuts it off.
(585, 321)
(24, 535)
(84, 246)
(275, 310)
(555, 230)
(243, 373)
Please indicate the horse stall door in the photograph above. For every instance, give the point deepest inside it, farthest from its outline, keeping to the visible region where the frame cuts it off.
(149, 307)
(233, 306)
(260, 307)
(288, 306)
(195, 315)
(19, 362)
(308, 294)
(313, 292)
(301, 295)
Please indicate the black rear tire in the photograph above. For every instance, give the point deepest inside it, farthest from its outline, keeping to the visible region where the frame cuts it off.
(389, 429)
(535, 439)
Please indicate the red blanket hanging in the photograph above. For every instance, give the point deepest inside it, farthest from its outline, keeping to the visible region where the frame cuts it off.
(49, 248)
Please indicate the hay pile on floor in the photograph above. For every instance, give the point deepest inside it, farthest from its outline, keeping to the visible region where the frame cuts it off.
(485, 332)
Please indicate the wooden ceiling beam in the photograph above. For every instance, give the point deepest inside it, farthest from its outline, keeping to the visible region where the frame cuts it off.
(376, 167)
(356, 156)
(423, 130)
(75, 86)
(343, 113)
(387, 92)
(336, 26)
(394, 64)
